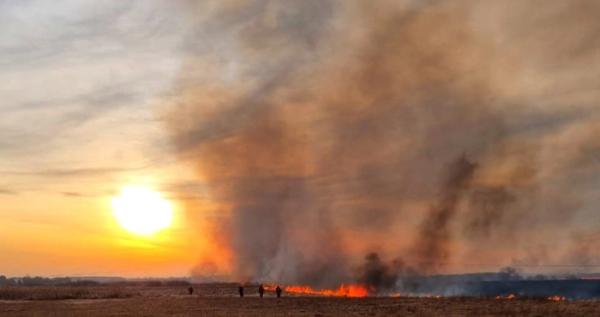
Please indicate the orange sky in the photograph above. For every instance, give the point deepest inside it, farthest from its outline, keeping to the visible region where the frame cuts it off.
(54, 235)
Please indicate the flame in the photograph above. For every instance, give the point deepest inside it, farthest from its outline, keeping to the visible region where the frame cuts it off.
(557, 298)
(509, 297)
(350, 290)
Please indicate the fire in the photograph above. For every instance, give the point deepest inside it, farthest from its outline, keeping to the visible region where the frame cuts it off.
(557, 298)
(509, 297)
(351, 290)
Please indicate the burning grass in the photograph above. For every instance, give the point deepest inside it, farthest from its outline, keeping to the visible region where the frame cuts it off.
(350, 290)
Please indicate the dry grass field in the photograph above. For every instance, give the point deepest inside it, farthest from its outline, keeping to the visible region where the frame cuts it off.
(219, 300)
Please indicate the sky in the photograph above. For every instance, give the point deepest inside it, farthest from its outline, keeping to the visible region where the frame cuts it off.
(292, 138)
(78, 121)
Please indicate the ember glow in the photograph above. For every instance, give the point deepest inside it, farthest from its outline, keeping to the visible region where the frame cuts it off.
(507, 297)
(557, 298)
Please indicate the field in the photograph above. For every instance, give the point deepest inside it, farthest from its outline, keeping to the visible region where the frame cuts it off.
(220, 300)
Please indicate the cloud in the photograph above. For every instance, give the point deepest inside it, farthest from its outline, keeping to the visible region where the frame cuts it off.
(81, 83)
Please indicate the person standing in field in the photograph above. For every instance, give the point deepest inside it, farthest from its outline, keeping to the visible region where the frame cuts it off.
(241, 290)
(278, 291)
(261, 290)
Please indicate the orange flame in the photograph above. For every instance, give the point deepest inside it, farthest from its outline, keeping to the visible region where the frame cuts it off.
(351, 290)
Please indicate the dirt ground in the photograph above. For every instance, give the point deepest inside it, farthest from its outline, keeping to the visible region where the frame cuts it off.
(184, 305)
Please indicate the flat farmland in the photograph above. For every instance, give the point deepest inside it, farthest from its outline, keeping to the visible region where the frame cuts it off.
(219, 301)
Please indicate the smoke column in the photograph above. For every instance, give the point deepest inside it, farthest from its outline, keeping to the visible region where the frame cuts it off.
(340, 138)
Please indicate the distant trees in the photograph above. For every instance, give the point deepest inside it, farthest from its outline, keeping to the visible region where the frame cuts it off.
(41, 281)
(509, 274)
(87, 281)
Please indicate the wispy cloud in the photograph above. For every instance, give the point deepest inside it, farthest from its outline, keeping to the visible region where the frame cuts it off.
(80, 85)
(5, 191)
(73, 172)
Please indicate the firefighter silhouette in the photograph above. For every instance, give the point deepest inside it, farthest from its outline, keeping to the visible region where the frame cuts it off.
(261, 290)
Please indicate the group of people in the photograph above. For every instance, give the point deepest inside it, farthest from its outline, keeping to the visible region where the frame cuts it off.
(261, 291)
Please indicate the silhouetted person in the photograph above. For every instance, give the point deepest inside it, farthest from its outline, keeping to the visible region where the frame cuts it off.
(278, 291)
(190, 290)
(241, 290)
(261, 290)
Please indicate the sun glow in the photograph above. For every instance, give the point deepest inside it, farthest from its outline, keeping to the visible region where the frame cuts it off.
(141, 210)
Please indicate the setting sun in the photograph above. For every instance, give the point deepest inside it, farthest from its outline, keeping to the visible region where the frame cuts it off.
(141, 210)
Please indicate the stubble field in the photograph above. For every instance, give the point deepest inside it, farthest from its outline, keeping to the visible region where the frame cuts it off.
(219, 300)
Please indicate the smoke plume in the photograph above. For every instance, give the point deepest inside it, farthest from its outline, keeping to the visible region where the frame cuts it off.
(427, 131)
(434, 234)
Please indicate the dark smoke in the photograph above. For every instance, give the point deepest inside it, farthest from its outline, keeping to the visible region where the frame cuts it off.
(326, 130)
(434, 236)
(377, 275)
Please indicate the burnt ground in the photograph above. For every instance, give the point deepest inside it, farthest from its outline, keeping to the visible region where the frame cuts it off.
(185, 305)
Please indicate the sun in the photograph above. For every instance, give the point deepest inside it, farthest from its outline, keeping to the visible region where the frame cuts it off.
(141, 210)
